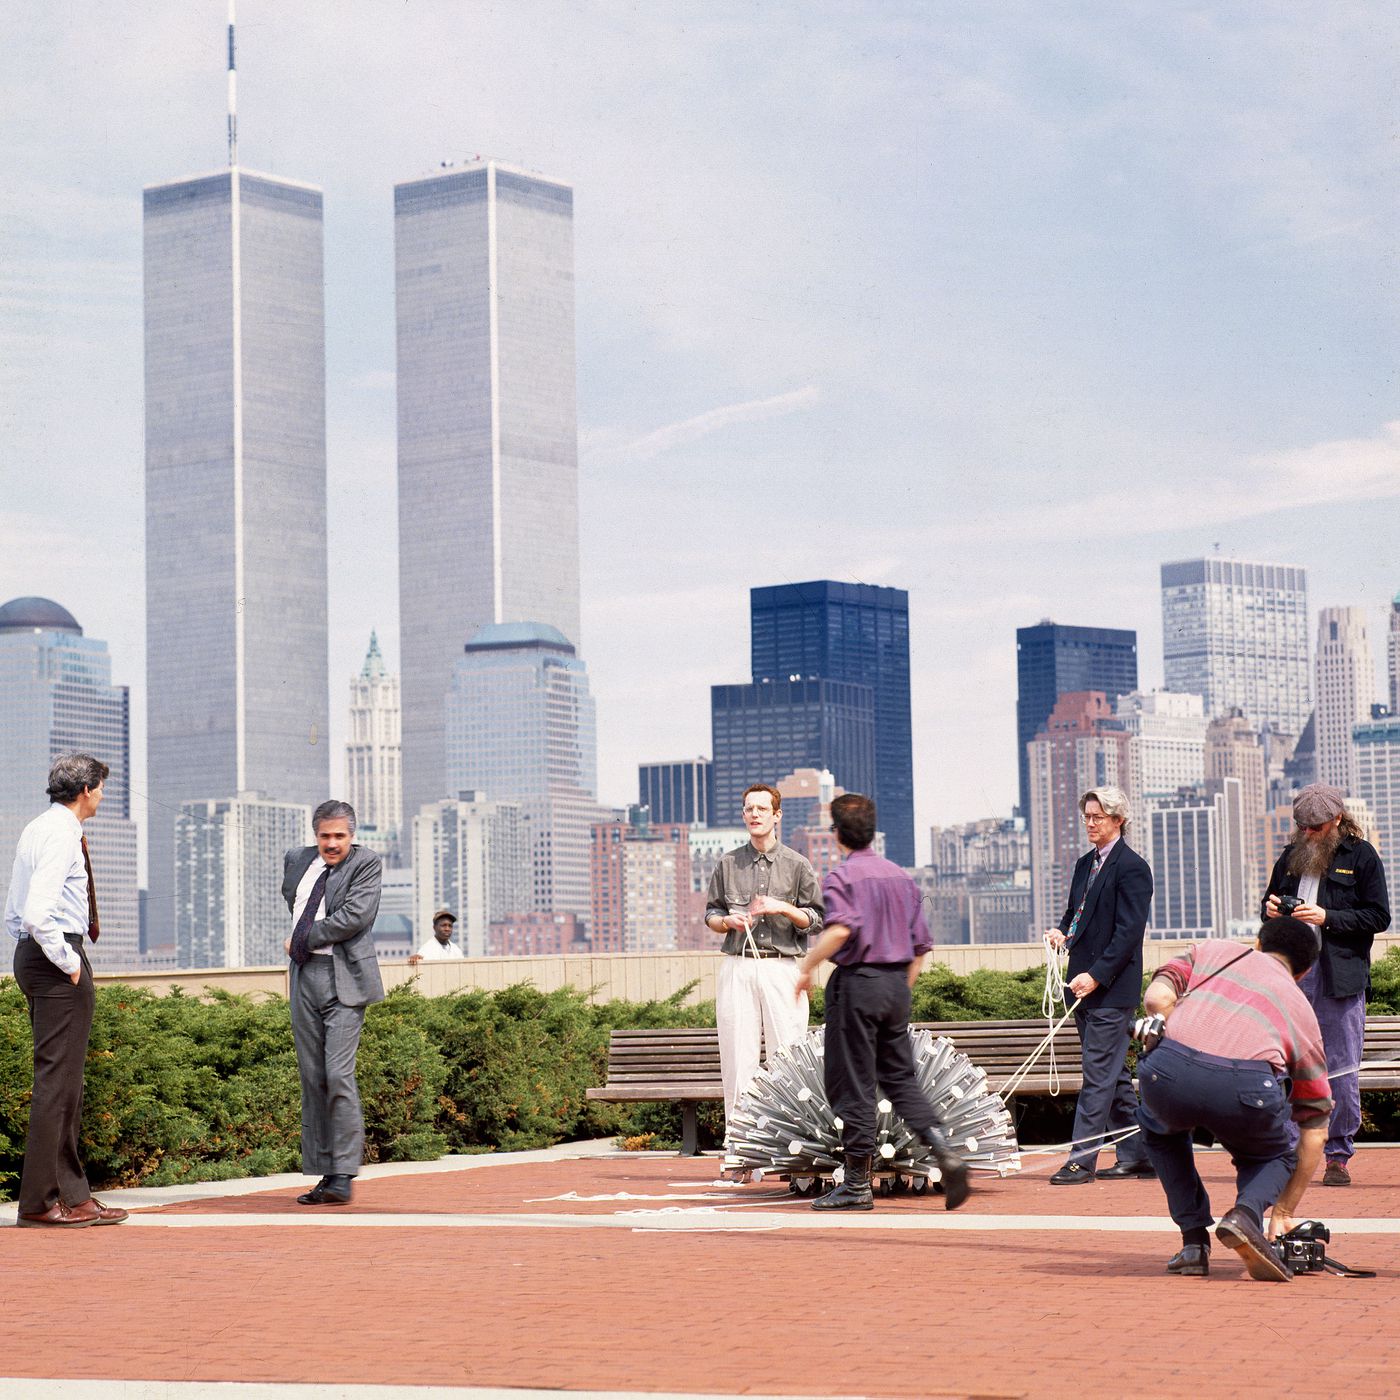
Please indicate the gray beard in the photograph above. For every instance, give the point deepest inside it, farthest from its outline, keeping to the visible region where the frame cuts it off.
(1313, 857)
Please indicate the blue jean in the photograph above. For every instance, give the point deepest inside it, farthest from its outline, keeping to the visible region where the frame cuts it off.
(1242, 1102)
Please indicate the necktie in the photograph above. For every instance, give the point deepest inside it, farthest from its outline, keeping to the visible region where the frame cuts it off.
(93, 929)
(300, 952)
(1093, 875)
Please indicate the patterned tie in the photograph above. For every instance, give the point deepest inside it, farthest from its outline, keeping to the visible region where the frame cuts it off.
(300, 952)
(93, 929)
(1093, 875)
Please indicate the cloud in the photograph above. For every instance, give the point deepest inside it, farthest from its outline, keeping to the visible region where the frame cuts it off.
(715, 420)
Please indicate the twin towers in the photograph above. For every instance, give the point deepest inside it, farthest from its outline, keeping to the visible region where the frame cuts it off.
(236, 564)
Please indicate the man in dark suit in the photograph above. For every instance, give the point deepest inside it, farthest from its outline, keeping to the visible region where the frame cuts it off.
(1103, 926)
(1341, 882)
(332, 891)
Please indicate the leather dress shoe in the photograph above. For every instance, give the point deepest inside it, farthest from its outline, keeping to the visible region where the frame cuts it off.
(1120, 1171)
(57, 1216)
(329, 1191)
(1072, 1174)
(1190, 1261)
(95, 1213)
(1238, 1230)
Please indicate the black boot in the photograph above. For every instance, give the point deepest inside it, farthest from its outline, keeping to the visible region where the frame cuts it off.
(854, 1192)
(952, 1168)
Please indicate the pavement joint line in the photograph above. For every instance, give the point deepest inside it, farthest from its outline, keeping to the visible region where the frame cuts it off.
(703, 1220)
(35, 1388)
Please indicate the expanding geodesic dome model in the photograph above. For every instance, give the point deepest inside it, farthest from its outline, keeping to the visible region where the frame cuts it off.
(785, 1124)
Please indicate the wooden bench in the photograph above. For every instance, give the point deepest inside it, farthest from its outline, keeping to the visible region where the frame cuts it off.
(682, 1066)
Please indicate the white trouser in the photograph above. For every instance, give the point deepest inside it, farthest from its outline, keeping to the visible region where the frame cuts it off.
(755, 1003)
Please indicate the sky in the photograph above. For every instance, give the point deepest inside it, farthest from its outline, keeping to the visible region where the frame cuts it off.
(1001, 304)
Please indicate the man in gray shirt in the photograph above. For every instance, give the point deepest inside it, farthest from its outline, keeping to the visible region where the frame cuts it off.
(764, 898)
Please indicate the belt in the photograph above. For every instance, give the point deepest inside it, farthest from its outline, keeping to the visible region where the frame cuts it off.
(761, 953)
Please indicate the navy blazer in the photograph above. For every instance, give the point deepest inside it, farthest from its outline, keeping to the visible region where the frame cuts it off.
(1107, 944)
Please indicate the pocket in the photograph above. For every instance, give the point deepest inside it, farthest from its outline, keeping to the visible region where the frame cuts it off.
(1155, 1065)
(1259, 1089)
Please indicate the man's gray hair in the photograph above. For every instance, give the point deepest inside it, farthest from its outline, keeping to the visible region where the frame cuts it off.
(71, 773)
(1113, 800)
(333, 810)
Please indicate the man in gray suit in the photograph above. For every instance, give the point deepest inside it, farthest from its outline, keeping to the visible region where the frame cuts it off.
(332, 890)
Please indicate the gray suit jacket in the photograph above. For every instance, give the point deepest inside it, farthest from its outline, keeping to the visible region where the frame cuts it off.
(347, 916)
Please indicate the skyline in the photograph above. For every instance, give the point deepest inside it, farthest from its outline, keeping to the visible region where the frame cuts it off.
(1100, 256)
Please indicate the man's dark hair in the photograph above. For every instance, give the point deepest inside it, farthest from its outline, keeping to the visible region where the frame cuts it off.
(1295, 940)
(331, 811)
(853, 816)
(73, 772)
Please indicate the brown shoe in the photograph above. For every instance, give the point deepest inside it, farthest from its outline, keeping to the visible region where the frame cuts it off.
(59, 1216)
(95, 1213)
(1238, 1231)
(1336, 1174)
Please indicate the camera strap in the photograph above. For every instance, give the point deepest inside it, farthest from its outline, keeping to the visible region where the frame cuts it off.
(1216, 973)
(1335, 1266)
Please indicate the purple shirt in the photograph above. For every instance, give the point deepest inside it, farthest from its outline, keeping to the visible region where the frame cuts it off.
(881, 906)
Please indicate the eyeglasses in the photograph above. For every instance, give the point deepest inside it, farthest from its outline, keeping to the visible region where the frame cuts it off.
(1096, 818)
(1313, 830)
(757, 811)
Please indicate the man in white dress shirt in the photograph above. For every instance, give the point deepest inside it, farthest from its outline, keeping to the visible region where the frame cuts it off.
(51, 909)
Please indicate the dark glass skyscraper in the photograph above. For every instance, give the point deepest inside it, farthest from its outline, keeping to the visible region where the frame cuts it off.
(857, 633)
(680, 792)
(1051, 661)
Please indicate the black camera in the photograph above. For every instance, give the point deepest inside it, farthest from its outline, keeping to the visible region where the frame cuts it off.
(1304, 1247)
(1287, 903)
(1148, 1031)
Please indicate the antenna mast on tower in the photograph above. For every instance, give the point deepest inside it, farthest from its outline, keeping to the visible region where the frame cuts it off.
(232, 94)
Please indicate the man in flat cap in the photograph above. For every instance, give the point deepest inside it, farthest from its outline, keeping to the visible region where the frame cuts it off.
(1340, 880)
(440, 947)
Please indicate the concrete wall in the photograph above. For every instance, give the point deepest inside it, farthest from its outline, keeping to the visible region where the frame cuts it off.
(604, 976)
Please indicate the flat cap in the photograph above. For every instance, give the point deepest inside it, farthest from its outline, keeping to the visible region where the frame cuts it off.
(1318, 803)
(444, 914)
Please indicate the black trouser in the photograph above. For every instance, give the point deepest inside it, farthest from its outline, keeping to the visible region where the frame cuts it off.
(60, 1016)
(867, 1045)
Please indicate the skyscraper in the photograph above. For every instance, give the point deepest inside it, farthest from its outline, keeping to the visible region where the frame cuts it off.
(520, 727)
(373, 754)
(1053, 660)
(57, 697)
(1193, 843)
(1236, 633)
(1378, 782)
(765, 730)
(641, 885)
(854, 632)
(470, 855)
(682, 791)
(1392, 654)
(487, 430)
(1235, 749)
(228, 883)
(1168, 748)
(236, 658)
(1081, 746)
(1346, 688)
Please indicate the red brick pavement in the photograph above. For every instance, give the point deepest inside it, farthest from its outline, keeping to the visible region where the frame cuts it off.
(918, 1311)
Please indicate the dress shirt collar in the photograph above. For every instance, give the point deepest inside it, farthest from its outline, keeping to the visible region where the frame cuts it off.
(1102, 853)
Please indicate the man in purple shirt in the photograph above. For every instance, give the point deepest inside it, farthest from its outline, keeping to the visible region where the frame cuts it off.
(876, 935)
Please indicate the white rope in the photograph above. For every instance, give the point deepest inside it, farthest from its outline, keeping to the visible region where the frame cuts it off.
(1052, 1000)
(1017, 1075)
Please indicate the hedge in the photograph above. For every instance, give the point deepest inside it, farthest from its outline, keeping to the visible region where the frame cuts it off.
(181, 1089)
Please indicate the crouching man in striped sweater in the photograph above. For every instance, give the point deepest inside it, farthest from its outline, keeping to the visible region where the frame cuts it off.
(1238, 1030)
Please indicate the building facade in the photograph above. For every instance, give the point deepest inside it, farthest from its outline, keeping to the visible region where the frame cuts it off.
(1194, 845)
(229, 855)
(683, 791)
(641, 884)
(521, 727)
(1392, 654)
(1168, 749)
(990, 849)
(471, 855)
(1081, 746)
(236, 656)
(373, 757)
(1346, 690)
(1377, 744)
(858, 633)
(1054, 660)
(767, 729)
(1235, 749)
(487, 429)
(1236, 634)
(57, 697)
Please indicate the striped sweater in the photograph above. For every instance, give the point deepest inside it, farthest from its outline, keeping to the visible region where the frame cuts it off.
(1251, 1011)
